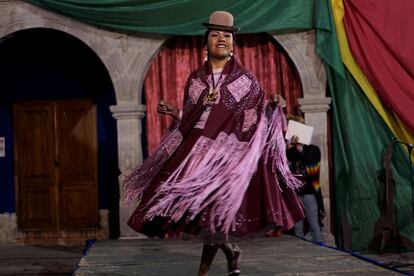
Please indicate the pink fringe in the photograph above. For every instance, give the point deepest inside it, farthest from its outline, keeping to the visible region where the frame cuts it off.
(138, 180)
(216, 174)
(275, 149)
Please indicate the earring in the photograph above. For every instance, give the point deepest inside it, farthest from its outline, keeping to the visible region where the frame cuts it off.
(206, 55)
(230, 56)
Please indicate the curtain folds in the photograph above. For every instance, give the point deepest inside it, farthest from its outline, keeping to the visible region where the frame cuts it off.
(396, 125)
(181, 55)
(184, 17)
(378, 35)
(360, 135)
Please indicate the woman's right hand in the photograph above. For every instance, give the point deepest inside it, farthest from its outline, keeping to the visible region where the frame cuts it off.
(167, 109)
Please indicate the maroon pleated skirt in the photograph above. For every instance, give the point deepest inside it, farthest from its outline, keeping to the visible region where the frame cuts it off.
(268, 202)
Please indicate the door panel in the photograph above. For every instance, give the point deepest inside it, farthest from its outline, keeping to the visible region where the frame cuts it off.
(78, 207)
(37, 210)
(77, 151)
(34, 160)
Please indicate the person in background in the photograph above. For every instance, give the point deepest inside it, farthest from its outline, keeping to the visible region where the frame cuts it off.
(305, 164)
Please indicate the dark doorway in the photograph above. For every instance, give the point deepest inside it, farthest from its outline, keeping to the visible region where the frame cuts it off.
(47, 65)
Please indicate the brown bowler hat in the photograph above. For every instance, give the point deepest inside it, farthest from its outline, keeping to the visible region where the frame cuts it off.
(221, 21)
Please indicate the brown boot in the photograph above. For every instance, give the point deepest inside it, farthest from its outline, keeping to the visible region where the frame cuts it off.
(232, 253)
(209, 251)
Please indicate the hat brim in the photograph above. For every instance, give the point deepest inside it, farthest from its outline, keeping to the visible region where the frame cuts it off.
(231, 29)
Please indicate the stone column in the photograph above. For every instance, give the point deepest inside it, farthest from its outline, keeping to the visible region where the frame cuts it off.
(315, 109)
(129, 127)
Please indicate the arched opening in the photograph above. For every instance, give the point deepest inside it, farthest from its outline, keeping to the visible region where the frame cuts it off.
(60, 170)
(180, 55)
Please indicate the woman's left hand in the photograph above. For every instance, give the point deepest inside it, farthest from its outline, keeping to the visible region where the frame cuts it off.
(277, 99)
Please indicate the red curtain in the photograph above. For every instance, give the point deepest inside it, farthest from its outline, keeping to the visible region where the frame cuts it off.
(378, 33)
(181, 55)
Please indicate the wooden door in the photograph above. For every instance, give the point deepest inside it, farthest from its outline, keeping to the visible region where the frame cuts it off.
(34, 165)
(56, 165)
(77, 170)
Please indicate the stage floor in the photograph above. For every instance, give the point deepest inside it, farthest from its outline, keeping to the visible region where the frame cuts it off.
(285, 255)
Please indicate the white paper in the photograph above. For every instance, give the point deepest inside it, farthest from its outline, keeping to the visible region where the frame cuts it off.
(2, 147)
(304, 132)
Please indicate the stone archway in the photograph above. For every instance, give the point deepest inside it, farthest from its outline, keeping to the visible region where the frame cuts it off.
(315, 105)
(126, 59)
(16, 16)
(122, 55)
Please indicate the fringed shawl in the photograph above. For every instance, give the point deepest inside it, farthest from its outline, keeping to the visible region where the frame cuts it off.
(217, 171)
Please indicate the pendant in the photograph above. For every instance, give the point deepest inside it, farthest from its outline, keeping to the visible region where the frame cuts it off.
(212, 95)
(210, 98)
